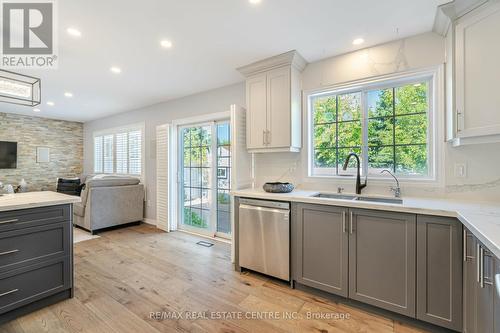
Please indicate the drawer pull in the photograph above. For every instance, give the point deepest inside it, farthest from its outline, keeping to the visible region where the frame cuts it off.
(9, 292)
(8, 252)
(9, 221)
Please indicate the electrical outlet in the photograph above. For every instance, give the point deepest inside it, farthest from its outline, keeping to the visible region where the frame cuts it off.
(148, 203)
(460, 170)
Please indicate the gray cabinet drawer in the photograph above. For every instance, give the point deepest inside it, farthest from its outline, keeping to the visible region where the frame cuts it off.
(26, 218)
(24, 247)
(25, 285)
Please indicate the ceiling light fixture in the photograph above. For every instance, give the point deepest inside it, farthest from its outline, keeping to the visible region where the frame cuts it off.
(36, 110)
(74, 32)
(358, 41)
(116, 70)
(255, 2)
(68, 94)
(166, 44)
(50, 103)
(19, 89)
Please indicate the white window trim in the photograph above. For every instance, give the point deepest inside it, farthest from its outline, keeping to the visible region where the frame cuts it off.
(435, 75)
(115, 130)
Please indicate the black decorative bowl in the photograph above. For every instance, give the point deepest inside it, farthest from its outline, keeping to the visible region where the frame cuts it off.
(278, 187)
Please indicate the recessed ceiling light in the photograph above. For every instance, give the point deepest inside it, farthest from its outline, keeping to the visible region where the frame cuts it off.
(68, 94)
(166, 44)
(358, 41)
(255, 2)
(50, 103)
(74, 32)
(116, 70)
(36, 110)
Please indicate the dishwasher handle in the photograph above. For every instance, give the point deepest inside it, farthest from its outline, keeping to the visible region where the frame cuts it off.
(265, 209)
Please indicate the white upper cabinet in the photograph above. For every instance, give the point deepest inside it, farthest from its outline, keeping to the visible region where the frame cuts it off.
(478, 72)
(473, 72)
(256, 93)
(273, 94)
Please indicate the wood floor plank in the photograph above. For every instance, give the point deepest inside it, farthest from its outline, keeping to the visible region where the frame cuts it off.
(128, 274)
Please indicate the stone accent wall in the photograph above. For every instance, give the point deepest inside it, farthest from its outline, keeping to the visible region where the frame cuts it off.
(64, 138)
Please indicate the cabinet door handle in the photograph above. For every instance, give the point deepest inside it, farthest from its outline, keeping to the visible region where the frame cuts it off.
(9, 221)
(478, 263)
(343, 223)
(481, 267)
(466, 256)
(9, 292)
(351, 223)
(465, 245)
(458, 119)
(268, 137)
(8, 252)
(264, 137)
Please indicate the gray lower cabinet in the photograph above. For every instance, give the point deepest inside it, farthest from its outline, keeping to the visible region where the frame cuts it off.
(481, 297)
(470, 276)
(439, 271)
(321, 247)
(382, 259)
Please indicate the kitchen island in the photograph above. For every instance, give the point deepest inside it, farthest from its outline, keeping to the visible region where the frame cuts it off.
(36, 251)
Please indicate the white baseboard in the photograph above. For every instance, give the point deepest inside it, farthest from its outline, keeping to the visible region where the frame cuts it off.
(149, 221)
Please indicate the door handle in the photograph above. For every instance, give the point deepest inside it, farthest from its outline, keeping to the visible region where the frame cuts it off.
(343, 222)
(466, 256)
(9, 292)
(9, 221)
(351, 223)
(268, 137)
(8, 252)
(264, 137)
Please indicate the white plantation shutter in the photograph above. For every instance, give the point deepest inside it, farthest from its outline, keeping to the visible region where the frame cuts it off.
(122, 153)
(108, 164)
(162, 176)
(119, 151)
(98, 151)
(242, 161)
(135, 152)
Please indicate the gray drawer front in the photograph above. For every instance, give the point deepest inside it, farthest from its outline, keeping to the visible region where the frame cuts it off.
(27, 246)
(26, 218)
(23, 286)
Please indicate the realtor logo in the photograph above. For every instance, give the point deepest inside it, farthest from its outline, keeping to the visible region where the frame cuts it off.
(28, 34)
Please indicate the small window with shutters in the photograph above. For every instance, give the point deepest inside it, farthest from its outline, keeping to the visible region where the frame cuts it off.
(119, 151)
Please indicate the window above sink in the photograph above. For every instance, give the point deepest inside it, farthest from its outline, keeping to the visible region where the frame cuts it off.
(388, 123)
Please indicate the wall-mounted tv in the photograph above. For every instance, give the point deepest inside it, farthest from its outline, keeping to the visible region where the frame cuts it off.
(8, 155)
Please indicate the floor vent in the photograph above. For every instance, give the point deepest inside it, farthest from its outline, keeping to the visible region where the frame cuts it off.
(205, 244)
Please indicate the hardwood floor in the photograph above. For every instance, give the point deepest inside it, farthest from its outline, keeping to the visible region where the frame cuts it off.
(127, 274)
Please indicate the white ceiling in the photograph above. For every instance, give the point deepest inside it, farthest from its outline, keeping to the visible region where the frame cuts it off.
(211, 38)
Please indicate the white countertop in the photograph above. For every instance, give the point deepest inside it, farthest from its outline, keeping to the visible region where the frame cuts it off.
(481, 218)
(34, 199)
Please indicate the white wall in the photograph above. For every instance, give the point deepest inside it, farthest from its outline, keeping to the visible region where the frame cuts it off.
(217, 100)
(418, 52)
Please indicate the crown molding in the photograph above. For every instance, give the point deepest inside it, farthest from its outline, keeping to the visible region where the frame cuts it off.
(451, 11)
(291, 58)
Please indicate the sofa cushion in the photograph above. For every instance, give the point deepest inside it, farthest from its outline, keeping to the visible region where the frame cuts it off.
(105, 181)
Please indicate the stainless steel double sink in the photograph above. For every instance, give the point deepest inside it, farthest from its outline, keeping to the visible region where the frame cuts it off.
(396, 201)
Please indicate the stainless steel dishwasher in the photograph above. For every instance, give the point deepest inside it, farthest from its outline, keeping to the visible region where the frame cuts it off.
(264, 237)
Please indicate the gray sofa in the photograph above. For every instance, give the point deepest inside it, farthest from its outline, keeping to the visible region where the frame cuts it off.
(109, 201)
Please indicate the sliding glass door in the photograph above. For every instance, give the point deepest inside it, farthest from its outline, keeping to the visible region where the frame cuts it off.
(205, 169)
